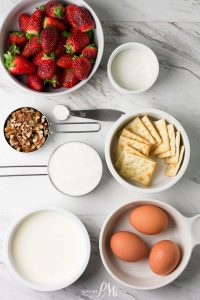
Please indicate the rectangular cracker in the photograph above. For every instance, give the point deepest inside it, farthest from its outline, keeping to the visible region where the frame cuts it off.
(123, 141)
(174, 159)
(161, 126)
(172, 141)
(137, 127)
(120, 159)
(172, 169)
(137, 168)
(149, 125)
(133, 136)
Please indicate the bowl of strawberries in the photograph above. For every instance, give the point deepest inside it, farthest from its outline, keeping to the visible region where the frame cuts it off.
(51, 49)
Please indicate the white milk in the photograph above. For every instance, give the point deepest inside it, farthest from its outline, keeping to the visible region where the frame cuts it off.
(132, 69)
(48, 247)
(75, 168)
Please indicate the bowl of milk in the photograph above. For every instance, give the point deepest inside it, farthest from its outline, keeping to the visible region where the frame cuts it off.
(132, 68)
(47, 249)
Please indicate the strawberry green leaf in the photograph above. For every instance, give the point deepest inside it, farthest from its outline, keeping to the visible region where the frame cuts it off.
(65, 34)
(58, 12)
(18, 33)
(91, 46)
(30, 35)
(69, 48)
(41, 7)
(76, 56)
(14, 49)
(52, 81)
(45, 55)
(8, 62)
(91, 36)
(52, 56)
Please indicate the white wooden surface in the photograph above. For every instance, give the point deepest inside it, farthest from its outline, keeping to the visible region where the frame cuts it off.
(172, 29)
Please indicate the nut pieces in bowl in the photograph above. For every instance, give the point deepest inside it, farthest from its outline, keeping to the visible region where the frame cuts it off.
(26, 129)
(53, 47)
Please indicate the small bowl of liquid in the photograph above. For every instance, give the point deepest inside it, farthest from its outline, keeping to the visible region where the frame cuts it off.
(132, 68)
(47, 249)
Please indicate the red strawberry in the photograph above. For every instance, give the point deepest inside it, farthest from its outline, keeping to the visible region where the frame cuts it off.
(41, 56)
(47, 67)
(32, 47)
(73, 29)
(37, 58)
(82, 67)
(23, 21)
(56, 80)
(17, 37)
(90, 52)
(76, 42)
(60, 49)
(34, 25)
(54, 9)
(55, 23)
(69, 79)
(65, 61)
(18, 64)
(49, 39)
(79, 17)
(35, 82)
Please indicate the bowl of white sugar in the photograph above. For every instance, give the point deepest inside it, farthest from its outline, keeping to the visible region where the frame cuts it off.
(132, 68)
(75, 169)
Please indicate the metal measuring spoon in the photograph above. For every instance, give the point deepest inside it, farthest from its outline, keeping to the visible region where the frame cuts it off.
(51, 128)
(62, 112)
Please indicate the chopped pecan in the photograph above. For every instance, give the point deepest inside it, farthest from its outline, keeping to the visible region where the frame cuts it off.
(26, 129)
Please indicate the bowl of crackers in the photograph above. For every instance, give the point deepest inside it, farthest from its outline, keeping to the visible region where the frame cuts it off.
(147, 150)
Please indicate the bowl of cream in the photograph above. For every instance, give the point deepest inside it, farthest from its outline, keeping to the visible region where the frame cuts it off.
(132, 68)
(47, 249)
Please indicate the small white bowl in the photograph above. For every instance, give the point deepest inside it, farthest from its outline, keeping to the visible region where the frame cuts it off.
(160, 182)
(138, 275)
(9, 261)
(10, 23)
(149, 67)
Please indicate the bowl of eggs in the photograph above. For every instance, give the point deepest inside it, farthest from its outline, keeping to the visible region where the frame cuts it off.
(147, 150)
(147, 244)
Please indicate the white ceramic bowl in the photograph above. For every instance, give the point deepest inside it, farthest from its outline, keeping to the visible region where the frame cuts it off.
(138, 275)
(8, 259)
(151, 65)
(11, 23)
(160, 182)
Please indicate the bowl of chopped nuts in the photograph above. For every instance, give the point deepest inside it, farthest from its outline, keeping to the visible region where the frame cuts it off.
(26, 129)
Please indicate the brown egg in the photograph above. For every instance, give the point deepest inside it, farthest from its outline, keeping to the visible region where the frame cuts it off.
(149, 219)
(127, 246)
(164, 257)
